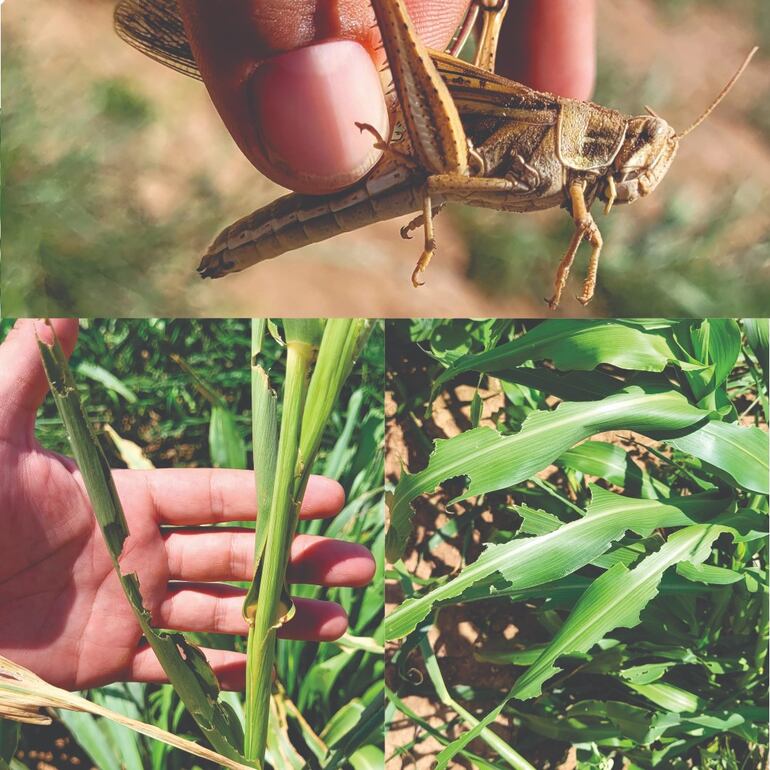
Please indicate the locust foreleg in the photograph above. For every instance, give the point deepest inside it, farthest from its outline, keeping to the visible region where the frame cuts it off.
(429, 248)
(585, 229)
(419, 221)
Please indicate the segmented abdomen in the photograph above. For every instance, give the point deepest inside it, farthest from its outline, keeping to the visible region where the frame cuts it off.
(298, 220)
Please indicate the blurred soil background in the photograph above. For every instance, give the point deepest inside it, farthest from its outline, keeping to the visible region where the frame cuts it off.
(118, 173)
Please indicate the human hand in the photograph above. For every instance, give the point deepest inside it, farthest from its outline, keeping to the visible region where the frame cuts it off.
(294, 116)
(63, 613)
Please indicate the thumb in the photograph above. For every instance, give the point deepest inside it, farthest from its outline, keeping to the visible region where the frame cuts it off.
(291, 80)
(23, 384)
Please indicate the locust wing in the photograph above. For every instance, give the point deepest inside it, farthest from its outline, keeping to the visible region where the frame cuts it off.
(478, 92)
(155, 28)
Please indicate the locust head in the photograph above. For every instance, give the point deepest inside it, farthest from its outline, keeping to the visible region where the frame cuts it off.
(648, 150)
(643, 160)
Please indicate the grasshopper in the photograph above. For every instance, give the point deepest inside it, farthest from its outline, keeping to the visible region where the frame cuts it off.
(464, 134)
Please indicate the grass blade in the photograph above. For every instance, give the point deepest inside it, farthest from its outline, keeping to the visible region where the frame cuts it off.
(368, 723)
(494, 741)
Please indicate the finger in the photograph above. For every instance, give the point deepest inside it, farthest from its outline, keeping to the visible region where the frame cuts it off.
(23, 383)
(218, 609)
(290, 80)
(551, 46)
(194, 496)
(228, 555)
(229, 667)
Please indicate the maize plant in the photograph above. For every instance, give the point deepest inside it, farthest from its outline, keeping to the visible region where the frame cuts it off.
(324, 401)
(578, 543)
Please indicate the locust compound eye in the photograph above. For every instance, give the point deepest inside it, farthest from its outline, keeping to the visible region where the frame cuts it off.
(654, 130)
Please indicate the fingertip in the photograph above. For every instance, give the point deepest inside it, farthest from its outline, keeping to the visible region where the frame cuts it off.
(334, 626)
(552, 46)
(366, 567)
(324, 561)
(359, 567)
(315, 621)
(306, 105)
(324, 498)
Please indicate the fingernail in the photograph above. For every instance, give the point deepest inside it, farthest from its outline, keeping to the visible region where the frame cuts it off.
(307, 103)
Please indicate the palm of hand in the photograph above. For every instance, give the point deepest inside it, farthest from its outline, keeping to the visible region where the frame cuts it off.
(73, 633)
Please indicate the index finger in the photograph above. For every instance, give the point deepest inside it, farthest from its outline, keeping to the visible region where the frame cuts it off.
(551, 46)
(196, 496)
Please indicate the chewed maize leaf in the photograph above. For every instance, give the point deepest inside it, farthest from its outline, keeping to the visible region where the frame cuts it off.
(184, 663)
(490, 461)
(526, 562)
(614, 600)
(573, 345)
(736, 452)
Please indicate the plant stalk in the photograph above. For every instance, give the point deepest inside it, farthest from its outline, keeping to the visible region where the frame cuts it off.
(271, 608)
(307, 406)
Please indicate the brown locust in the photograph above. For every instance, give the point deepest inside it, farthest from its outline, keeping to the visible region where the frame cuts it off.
(463, 134)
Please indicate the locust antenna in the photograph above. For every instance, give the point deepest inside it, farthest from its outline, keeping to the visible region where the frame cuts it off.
(652, 112)
(726, 90)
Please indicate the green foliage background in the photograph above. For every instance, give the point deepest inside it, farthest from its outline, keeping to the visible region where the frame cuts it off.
(675, 678)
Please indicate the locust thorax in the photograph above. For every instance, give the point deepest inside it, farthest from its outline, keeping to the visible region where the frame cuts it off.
(643, 160)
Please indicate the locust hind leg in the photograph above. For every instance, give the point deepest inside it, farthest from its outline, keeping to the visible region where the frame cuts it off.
(585, 229)
(493, 16)
(430, 115)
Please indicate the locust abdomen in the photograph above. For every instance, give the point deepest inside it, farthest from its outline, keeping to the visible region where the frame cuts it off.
(391, 190)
